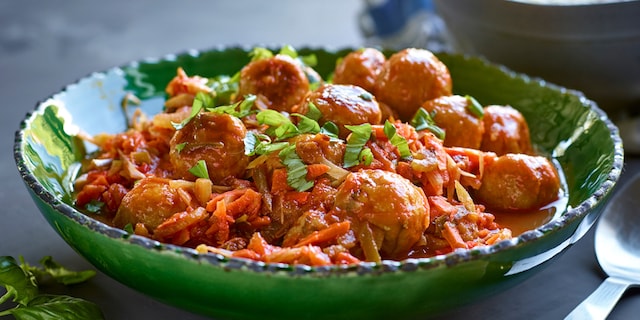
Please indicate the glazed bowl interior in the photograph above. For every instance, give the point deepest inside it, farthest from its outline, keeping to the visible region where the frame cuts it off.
(591, 46)
(564, 125)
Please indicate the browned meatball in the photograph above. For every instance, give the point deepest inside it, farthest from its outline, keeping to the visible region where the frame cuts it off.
(409, 78)
(451, 113)
(280, 82)
(215, 138)
(150, 202)
(518, 182)
(343, 105)
(394, 210)
(505, 131)
(360, 68)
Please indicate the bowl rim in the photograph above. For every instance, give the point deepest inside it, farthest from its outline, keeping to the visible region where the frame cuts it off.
(386, 266)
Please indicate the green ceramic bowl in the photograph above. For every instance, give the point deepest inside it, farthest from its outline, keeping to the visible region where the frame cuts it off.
(563, 123)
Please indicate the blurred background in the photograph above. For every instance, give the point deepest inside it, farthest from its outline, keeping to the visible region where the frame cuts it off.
(45, 45)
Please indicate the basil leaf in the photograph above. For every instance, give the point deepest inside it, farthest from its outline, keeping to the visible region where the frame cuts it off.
(280, 126)
(59, 273)
(397, 140)
(54, 307)
(423, 121)
(200, 170)
(307, 125)
(296, 169)
(359, 136)
(330, 129)
(313, 112)
(20, 284)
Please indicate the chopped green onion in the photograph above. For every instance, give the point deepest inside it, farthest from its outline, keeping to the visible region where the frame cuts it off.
(259, 53)
(296, 169)
(366, 96)
(360, 134)
(280, 125)
(422, 120)
(289, 50)
(94, 206)
(180, 146)
(365, 156)
(307, 125)
(309, 60)
(474, 107)
(330, 129)
(200, 170)
(313, 112)
(397, 140)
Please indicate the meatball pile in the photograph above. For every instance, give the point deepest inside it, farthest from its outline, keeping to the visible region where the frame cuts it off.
(378, 160)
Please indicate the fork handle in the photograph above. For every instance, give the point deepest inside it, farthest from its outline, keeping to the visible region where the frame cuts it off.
(599, 304)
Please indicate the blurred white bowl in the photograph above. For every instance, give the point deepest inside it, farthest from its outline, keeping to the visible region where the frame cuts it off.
(594, 48)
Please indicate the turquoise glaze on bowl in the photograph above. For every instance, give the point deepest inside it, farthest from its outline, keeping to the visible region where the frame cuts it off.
(563, 123)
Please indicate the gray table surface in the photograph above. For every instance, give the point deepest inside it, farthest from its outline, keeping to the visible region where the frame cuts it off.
(45, 45)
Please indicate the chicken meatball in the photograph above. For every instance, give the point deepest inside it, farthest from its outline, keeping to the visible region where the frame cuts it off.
(505, 131)
(150, 202)
(218, 139)
(360, 68)
(395, 212)
(409, 78)
(518, 182)
(451, 113)
(343, 105)
(280, 82)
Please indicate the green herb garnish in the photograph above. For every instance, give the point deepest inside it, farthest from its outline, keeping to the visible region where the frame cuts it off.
(313, 112)
(306, 124)
(239, 109)
(22, 286)
(423, 121)
(259, 144)
(397, 140)
(259, 53)
(200, 170)
(296, 169)
(360, 134)
(225, 88)
(94, 206)
(180, 146)
(202, 100)
(330, 129)
(280, 125)
(474, 107)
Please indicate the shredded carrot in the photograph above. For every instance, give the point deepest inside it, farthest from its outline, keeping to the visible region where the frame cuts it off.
(453, 237)
(279, 181)
(248, 203)
(315, 170)
(298, 196)
(330, 233)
